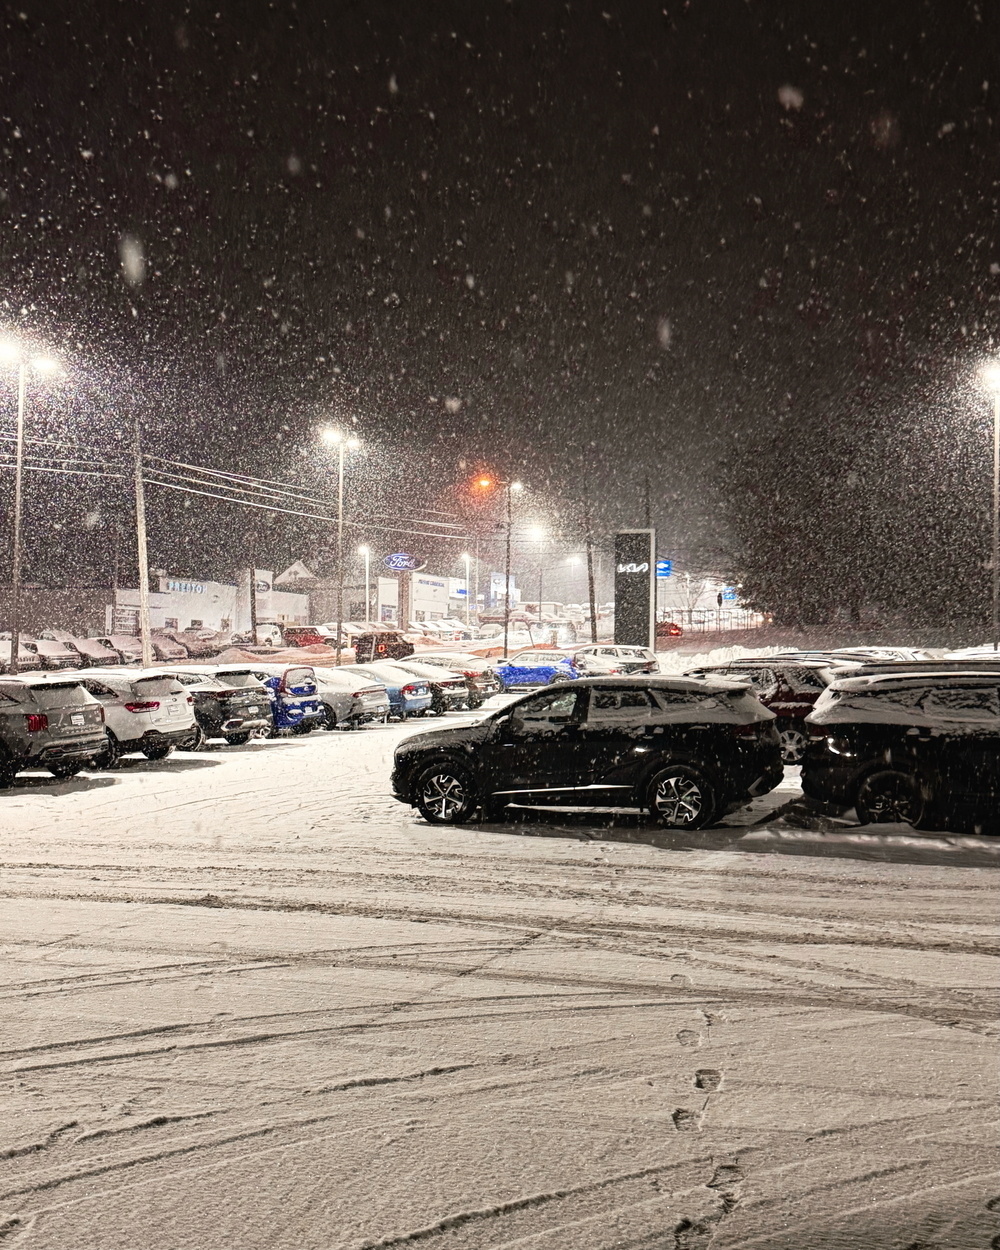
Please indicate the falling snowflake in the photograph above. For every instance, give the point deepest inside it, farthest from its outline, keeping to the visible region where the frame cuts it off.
(790, 97)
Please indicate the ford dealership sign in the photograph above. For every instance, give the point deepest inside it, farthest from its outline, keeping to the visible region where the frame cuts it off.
(401, 562)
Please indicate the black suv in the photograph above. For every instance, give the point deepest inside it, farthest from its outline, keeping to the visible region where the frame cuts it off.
(920, 748)
(686, 750)
(47, 722)
(224, 708)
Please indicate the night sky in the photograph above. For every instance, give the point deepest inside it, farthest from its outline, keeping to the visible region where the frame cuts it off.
(748, 250)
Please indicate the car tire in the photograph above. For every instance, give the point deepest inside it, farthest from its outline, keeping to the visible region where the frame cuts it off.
(109, 757)
(158, 752)
(62, 772)
(445, 794)
(681, 797)
(302, 728)
(240, 739)
(197, 740)
(889, 796)
(793, 741)
(329, 720)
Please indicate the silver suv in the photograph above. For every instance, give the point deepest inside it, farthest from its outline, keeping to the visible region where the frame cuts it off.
(47, 722)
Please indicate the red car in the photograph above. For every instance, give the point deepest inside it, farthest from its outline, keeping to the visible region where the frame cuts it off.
(667, 629)
(303, 636)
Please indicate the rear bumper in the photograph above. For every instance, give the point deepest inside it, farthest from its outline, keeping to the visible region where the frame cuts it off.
(77, 748)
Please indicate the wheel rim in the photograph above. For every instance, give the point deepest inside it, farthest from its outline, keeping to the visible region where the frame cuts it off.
(793, 743)
(679, 800)
(892, 802)
(443, 795)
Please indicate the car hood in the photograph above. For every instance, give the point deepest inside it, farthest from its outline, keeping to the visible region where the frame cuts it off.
(466, 735)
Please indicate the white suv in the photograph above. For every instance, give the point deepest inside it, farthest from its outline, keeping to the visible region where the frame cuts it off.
(144, 710)
(608, 658)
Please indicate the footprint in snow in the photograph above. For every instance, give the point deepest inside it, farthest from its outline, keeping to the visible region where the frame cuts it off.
(686, 1121)
(707, 1078)
(688, 1037)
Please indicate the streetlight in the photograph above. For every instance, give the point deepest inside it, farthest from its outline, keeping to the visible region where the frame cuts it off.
(366, 551)
(510, 488)
(13, 354)
(467, 560)
(343, 444)
(991, 377)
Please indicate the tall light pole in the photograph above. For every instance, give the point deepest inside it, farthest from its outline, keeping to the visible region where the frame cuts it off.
(336, 439)
(510, 489)
(366, 551)
(12, 354)
(991, 376)
(467, 561)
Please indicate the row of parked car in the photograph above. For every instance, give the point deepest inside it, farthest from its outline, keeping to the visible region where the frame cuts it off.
(69, 720)
(902, 739)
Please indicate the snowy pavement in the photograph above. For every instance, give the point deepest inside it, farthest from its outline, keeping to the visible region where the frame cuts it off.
(252, 1001)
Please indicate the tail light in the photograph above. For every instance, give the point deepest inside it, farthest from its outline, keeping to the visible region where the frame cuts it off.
(149, 705)
(37, 722)
(747, 731)
(411, 690)
(815, 731)
(190, 698)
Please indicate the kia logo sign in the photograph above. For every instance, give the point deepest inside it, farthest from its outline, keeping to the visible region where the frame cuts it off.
(634, 568)
(401, 562)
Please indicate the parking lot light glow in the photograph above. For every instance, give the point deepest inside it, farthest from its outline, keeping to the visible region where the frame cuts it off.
(331, 436)
(10, 353)
(517, 486)
(45, 364)
(991, 377)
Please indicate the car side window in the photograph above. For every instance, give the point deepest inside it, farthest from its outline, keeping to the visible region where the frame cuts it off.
(619, 706)
(98, 690)
(545, 712)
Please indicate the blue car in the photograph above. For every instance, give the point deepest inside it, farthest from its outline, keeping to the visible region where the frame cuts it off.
(408, 695)
(536, 668)
(294, 695)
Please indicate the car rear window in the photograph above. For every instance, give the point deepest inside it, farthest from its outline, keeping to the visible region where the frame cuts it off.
(299, 677)
(237, 681)
(962, 703)
(158, 685)
(52, 696)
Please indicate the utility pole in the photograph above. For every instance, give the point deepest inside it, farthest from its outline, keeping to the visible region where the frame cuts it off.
(589, 541)
(253, 586)
(645, 499)
(143, 556)
(506, 598)
(15, 575)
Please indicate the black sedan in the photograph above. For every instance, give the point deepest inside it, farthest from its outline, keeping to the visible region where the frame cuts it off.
(479, 674)
(687, 750)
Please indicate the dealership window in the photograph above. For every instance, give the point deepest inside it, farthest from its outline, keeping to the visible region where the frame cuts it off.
(170, 622)
(225, 623)
(196, 624)
(420, 615)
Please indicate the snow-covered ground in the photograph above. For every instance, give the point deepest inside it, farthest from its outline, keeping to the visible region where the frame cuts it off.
(250, 1001)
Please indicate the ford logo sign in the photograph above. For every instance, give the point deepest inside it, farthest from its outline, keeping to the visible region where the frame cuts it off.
(400, 562)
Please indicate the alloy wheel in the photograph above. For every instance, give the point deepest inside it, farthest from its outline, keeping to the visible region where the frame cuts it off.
(889, 799)
(679, 799)
(793, 745)
(444, 796)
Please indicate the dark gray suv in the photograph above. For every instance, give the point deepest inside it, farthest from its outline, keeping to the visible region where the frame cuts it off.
(47, 722)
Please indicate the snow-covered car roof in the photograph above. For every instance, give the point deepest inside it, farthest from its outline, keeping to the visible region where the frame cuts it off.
(925, 700)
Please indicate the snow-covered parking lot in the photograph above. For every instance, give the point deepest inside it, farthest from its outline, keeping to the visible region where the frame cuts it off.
(252, 1001)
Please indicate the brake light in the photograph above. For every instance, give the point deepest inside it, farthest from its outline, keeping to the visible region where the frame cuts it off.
(37, 722)
(411, 690)
(815, 731)
(190, 698)
(149, 705)
(746, 731)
